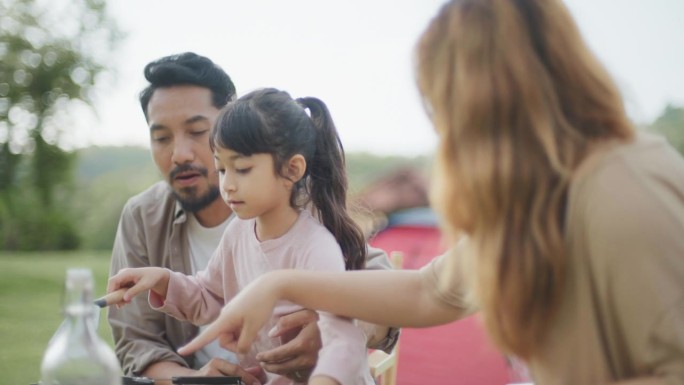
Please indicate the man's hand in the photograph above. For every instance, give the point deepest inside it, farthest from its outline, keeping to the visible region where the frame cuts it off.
(298, 355)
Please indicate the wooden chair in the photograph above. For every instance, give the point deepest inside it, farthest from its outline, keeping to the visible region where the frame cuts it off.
(383, 366)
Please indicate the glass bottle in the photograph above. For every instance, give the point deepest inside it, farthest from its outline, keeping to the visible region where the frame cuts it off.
(76, 355)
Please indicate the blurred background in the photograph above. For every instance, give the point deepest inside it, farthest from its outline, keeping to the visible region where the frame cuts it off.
(73, 141)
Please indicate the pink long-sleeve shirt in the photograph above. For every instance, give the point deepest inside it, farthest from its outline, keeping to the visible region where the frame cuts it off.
(239, 259)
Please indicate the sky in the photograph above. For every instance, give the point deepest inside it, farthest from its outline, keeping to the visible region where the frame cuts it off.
(357, 56)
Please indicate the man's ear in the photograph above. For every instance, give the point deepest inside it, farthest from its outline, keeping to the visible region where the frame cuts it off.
(296, 167)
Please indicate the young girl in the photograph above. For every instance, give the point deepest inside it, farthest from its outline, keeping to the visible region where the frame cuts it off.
(273, 160)
(570, 224)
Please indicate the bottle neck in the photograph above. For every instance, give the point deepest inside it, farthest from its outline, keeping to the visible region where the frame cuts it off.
(78, 304)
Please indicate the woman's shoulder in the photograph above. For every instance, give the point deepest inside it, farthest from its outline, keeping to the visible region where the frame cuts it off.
(631, 199)
(625, 228)
(644, 167)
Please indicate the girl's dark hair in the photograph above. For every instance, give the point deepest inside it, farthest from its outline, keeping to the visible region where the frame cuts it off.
(270, 121)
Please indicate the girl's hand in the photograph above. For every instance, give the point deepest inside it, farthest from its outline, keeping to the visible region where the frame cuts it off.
(240, 320)
(138, 280)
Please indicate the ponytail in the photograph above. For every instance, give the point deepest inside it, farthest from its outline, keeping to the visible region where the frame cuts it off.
(328, 185)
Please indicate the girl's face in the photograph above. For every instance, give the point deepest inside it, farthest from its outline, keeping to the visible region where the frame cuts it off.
(249, 184)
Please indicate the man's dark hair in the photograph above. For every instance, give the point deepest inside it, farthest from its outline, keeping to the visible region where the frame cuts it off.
(187, 69)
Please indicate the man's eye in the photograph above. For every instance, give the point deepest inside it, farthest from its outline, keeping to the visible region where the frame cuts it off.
(243, 170)
(199, 133)
(160, 139)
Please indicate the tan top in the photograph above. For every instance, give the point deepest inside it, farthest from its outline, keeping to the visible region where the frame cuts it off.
(622, 312)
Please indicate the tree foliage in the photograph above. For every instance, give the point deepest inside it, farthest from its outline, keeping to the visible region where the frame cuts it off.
(51, 53)
(670, 124)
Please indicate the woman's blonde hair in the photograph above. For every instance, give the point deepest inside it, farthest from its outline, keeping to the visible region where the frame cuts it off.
(516, 98)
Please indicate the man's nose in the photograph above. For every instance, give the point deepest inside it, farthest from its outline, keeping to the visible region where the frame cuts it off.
(182, 152)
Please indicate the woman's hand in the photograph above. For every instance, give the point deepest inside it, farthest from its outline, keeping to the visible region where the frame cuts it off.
(138, 280)
(240, 319)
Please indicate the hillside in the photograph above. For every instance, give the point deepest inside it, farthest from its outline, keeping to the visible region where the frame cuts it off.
(107, 176)
(96, 161)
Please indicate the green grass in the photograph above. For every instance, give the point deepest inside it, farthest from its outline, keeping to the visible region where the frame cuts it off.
(30, 306)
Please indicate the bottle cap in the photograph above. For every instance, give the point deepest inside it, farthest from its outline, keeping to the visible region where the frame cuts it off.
(79, 277)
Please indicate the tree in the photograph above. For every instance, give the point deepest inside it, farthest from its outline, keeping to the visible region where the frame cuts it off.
(51, 54)
(670, 124)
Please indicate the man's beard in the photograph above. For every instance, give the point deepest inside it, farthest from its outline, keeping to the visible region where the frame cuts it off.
(187, 196)
(192, 203)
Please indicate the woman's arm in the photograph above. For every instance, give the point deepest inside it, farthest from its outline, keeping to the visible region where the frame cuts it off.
(396, 298)
(379, 336)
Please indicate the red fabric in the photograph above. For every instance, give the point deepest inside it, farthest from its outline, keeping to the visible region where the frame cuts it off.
(456, 353)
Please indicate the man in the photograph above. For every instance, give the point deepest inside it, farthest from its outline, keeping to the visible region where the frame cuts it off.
(178, 223)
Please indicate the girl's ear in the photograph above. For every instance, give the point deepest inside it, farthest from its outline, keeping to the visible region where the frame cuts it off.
(296, 167)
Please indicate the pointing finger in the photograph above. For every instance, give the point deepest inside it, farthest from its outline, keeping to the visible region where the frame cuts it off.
(247, 336)
(209, 334)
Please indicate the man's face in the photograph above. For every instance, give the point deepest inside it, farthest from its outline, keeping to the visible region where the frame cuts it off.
(180, 120)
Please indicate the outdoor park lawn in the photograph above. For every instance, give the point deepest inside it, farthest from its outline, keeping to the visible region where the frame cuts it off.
(30, 306)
